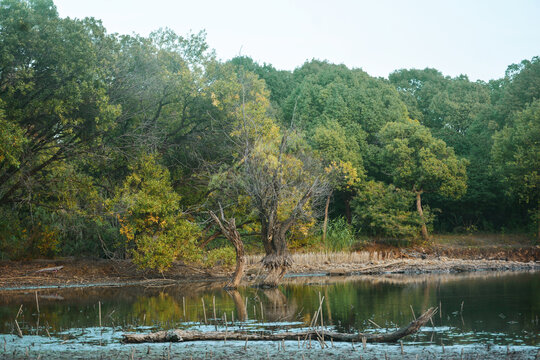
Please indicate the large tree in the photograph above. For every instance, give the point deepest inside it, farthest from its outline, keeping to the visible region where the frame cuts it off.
(52, 88)
(274, 169)
(420, 163)
(516, 157)
(459, 112)
(333, 104)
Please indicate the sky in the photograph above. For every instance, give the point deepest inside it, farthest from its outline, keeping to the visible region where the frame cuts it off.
(479, 38)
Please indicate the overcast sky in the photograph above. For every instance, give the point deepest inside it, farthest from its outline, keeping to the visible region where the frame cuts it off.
(479, 38)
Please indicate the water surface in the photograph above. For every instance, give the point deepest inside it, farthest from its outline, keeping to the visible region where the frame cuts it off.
(477, 309)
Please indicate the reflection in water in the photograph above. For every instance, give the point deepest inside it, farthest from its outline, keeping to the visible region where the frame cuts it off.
(278, 307)
(239, 304)
(476, 308)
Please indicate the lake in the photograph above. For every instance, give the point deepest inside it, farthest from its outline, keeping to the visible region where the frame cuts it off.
(481, 314)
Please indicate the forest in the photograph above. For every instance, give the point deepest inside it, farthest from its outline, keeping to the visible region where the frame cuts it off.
(154, 149)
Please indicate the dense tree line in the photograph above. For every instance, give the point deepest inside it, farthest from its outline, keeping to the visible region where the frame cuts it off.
(117, 145)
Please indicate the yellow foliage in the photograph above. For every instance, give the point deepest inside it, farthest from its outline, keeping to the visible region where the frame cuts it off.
(47, 242)
(343, 173)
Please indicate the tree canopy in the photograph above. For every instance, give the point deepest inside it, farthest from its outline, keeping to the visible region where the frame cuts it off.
(120, 146)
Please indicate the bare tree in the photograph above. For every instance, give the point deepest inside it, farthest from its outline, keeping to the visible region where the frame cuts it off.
(228, 229)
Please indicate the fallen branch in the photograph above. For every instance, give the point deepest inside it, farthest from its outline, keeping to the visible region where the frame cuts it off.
(378, 266)
(55, 269)
(189, 335)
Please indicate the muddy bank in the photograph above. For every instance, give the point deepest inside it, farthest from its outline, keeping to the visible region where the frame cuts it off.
(76, 273)
(415, 266)
(82, 272)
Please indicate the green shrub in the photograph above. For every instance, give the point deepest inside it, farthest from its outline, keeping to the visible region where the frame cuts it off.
(221, 256)
(339, 235)
(385, 211)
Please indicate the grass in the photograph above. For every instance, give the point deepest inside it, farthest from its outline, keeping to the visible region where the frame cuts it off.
(481, 240)
(340, 236)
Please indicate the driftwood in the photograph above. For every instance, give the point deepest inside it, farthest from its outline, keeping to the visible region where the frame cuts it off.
(54, 269)
(188, 335)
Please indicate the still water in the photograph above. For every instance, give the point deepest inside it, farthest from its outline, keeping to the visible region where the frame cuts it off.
(499, 309)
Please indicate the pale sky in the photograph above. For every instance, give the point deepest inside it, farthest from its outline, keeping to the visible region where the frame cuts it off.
(479, 38)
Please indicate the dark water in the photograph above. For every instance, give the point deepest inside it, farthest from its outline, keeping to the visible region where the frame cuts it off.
(498, 309)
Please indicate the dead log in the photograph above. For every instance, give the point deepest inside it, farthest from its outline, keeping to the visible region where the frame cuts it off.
(49, 269)
(189, 335)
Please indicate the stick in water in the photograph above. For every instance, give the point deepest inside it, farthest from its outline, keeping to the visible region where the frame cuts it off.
(99, 310)
(225, 320)
(19, 332)
(374, 323)
(322, 323)
(214, 305)
(414, 316)
(247, 314)
(204, 310)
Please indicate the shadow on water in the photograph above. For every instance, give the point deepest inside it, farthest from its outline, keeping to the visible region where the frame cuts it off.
(488, 309)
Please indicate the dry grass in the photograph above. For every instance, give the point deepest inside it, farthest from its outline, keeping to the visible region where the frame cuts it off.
(324, 258)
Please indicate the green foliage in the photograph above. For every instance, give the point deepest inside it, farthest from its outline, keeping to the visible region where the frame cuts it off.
(421, 163)
(330, 140)
(519, 88)
(223, 256)
(80, 108)
(53, 88)
(516, 157)
(340, 235)
(279, 82)
(12, 141)
(516, 154)
(447, 106)
(155, 230)
(351, 97)
(385, 211)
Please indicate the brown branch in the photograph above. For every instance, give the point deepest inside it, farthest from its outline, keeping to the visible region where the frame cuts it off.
(187, 335)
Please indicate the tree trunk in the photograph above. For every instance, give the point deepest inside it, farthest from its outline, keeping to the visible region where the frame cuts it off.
(231, 233)
(538, 224)
(277, 260)
(425, 235)
(240, 265)
(190, 335)
(325, 223)
(348, 209)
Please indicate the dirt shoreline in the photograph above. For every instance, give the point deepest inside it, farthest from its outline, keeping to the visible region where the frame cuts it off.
(79, 272)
